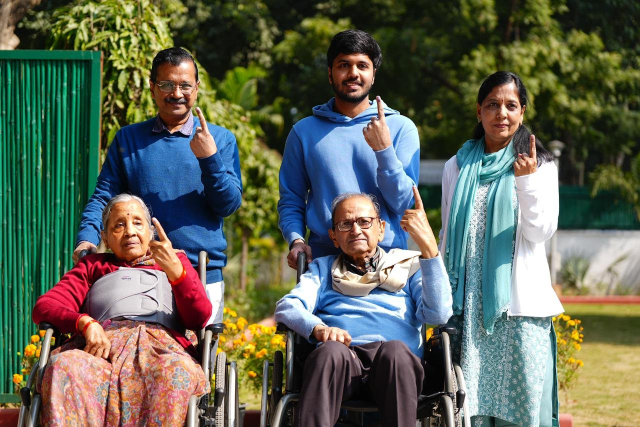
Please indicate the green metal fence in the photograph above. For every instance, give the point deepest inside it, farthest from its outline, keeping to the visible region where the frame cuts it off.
(578, 210)
(49, 147)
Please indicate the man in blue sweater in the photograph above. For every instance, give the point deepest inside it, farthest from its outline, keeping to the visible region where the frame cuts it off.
(350, 144)
(186, 170)
(366, 306)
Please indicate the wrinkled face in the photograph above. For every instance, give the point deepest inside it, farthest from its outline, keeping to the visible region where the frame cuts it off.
(127, 232)
(352, 76)
(357, 242)
(501, 114)
(175, 105)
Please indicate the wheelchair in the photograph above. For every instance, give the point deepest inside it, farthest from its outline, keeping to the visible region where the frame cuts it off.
(221, 408)
(443, 405)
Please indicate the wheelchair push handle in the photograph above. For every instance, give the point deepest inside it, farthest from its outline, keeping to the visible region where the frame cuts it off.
(83, 253)
(302, 265)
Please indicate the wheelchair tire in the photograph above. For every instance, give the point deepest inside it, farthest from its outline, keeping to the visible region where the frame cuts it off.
(221, 379)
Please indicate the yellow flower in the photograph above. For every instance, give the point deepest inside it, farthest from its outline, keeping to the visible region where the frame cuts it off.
(276, 340)
(566, 318)
(571, 360)
(252, 374)
(553, 319)
(29, 350)
(232, 313)
(42, 333)
(226, 310)
(38, 352)
(580, 362)
(17, 378)
(35, 338)
(571, 323)
(261, 353)
(219, 350)
(577, 346)
(242, 323)
(222, 339)
(575, 335)
(429, 333)
(249, 348)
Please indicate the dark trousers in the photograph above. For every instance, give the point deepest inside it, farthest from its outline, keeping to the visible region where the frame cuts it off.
(386, 372)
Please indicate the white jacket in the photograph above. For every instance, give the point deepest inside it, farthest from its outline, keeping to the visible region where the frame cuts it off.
(531, 291)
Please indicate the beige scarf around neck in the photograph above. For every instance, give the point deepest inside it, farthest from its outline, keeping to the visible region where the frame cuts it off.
(393, 272)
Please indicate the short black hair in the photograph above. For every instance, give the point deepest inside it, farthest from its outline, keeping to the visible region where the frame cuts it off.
(173, 56)
(354, 41)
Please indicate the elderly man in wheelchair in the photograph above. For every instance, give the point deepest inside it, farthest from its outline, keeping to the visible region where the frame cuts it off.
(125, 366)
(365, 308)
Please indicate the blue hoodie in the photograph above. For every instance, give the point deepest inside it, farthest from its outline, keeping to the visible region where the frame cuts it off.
(326, 155)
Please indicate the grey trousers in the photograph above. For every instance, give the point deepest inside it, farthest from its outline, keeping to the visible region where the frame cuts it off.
(386, 372)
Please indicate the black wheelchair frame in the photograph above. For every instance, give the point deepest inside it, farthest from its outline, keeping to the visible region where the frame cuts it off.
(220, 409)
(446, 407)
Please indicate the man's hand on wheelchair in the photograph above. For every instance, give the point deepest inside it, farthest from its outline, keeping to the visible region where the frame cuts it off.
(324, 333)
(297, 247)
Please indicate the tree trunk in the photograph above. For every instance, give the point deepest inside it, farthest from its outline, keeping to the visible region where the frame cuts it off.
(244, 260)
(11, 12)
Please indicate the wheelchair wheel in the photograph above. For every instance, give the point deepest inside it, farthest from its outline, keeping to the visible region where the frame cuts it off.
(221, 378)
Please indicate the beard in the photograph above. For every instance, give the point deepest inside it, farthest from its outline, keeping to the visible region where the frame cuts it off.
(351, 97)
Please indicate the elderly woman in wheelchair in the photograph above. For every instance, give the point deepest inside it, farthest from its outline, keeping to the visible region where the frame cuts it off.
(365, 308)
(125, 365)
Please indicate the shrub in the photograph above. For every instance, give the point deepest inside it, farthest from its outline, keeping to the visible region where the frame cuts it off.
(569, 338)
(30, 358)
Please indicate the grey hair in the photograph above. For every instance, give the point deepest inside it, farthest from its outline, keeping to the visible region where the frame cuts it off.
(122, 198)
(346, 196)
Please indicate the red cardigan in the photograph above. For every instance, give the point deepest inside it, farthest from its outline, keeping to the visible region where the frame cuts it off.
(61, 306)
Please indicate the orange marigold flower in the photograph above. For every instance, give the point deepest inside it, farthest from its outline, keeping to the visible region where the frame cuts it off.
(29, 350)
(38, 353)
(252, 374)
(261, 353)
(17, 378)
(42, 333)
(35, 338)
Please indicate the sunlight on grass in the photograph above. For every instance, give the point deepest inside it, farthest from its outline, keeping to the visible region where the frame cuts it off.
(606, 393)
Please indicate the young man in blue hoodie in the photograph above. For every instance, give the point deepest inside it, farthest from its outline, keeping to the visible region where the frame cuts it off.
(349, 145)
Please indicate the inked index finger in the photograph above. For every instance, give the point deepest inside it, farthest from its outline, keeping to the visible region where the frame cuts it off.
(380, 109)
(417, 198)
(161, 234)
(203, 122)
(532, 147)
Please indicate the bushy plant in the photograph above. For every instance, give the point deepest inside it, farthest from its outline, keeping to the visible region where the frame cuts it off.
(569, 341)
(30, 358)
(250, 345)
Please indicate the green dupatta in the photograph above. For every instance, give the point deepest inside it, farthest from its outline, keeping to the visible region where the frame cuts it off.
(478, 167)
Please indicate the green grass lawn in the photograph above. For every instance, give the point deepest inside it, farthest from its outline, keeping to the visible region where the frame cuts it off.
(607, 392)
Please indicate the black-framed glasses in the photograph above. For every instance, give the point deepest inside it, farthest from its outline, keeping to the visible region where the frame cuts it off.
(169, 87)
(363, 222)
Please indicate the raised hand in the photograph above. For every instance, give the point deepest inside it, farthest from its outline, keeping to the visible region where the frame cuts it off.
(163, 253)
(325, 333)
(297, 247)
(202, 144)
(526, 165)
(376, 132)
(415, 222)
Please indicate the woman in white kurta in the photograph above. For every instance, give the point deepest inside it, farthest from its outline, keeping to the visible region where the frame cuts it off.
(499, 206)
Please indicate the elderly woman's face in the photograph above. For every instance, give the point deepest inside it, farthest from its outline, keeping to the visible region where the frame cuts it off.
(127, 232)
(501, 115)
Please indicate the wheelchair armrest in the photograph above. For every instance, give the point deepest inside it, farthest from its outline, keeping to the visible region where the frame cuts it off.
(450, 330)
(282, 328)
(215, 328)
(46, 325)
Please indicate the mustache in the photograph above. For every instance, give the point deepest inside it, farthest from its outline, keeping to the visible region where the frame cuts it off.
(172, 100)
(346, 82)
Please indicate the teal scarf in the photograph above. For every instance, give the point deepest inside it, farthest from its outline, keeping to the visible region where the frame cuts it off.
(476, 168)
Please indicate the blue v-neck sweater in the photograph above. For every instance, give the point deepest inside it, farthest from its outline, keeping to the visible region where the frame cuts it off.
(189, 196)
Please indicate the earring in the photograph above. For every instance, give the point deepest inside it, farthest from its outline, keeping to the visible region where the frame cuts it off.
(479, 119)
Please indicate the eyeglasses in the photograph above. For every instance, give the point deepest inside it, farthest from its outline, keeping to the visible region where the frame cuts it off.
(169, 87)
(363, 222)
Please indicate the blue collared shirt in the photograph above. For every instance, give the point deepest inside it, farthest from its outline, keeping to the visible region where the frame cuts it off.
(186, 129)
